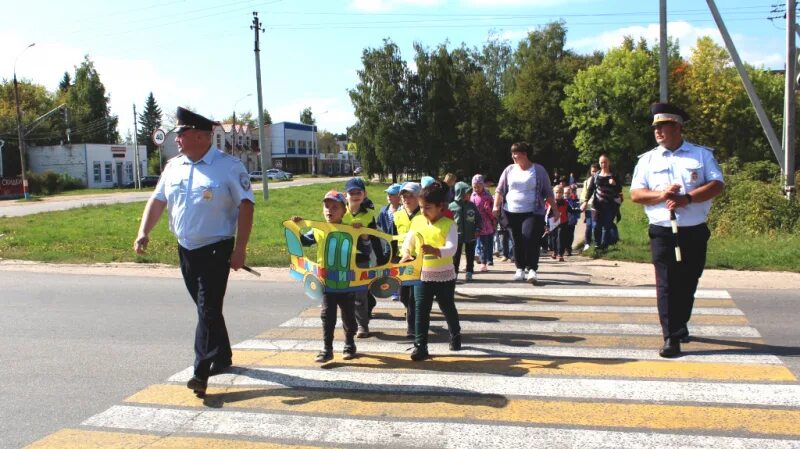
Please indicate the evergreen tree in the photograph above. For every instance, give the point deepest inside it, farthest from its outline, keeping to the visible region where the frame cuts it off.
(149, 121)
(90, 114)
(65, 84)
(307, 117)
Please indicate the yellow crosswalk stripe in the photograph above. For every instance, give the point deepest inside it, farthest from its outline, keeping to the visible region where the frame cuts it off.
(98, 439)
(517, 366)
(759, 421)
(575, 317)
(572, 340)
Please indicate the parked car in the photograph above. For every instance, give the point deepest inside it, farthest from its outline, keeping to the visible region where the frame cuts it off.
(147, 181)
(357, 171)
(274, 173)
(255, 176)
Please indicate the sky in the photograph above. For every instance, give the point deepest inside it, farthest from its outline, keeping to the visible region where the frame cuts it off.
(199, 53)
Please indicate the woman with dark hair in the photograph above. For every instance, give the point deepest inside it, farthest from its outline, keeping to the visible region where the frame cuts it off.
(604, 190)
(521, 194)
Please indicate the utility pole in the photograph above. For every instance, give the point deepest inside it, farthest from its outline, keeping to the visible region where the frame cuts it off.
(789, 107)
(136, 178)
(663, 62)
(266, 150)
(19, 128)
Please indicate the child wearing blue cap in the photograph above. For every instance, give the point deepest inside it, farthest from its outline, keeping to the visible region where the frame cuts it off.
(333, 209)
(361, 212)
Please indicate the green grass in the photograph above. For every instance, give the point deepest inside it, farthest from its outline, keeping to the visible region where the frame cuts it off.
(779, 252)
(99, 234)
(106, 234)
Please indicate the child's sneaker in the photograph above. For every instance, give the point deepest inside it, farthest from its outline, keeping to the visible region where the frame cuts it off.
(455, 342)
(419, 353)
(349, 352)
(468, 276)
(324, 356)
(484, 268)
(519, 275)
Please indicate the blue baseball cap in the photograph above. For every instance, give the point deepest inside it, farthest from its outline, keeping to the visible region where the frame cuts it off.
(411, 187)
(426, 181)
(335, 196)
(354, 183)
(393, 189)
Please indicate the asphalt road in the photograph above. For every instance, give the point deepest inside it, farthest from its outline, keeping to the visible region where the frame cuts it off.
(15, 208)
(74, 345)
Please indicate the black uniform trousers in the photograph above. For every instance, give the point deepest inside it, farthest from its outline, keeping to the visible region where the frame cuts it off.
(347, 304)
(205, 271)
(676, 282)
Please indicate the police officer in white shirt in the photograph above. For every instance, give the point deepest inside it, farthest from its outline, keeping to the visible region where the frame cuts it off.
(209, 199)
(681, 177)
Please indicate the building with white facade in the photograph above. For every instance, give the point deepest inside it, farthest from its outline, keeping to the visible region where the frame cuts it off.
(97, 165)
(294, 147)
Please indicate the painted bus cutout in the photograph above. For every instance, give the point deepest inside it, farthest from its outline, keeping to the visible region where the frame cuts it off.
(338, 272)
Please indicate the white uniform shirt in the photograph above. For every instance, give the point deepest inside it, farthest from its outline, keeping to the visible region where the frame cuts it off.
(691, 166)
(203, 197)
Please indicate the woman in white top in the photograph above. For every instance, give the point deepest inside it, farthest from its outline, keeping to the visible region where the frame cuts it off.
(522, 192)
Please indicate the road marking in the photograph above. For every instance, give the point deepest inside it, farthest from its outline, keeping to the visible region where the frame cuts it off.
(562, 327)
(608, 355)
(509, 410)
(396, 433)
(487, 316)
(534, 365)
(569, 308)
(83, 439)
(571, 387)
(529, 339)
(528, 291)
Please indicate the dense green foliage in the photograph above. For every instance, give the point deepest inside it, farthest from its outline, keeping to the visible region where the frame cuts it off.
(49, 183)
(149, 121)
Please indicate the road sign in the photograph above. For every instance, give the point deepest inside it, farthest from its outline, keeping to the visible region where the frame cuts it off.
(159, 136)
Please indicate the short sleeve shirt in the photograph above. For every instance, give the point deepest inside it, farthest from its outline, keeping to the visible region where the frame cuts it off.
(525, 190)
(690, 166)
(203, 197)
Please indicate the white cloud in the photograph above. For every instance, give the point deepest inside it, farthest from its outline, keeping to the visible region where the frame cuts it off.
(127, 81)
(333, 114)
(374, 6)
(751, 50)
(507, 3)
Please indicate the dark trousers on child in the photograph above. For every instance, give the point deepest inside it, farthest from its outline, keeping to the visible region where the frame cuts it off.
(486, 248)
(407, 298)
(469, 248)
(444, 294)
(346, 303)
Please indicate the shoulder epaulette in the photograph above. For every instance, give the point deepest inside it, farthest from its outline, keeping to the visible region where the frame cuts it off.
(647, 152)
(702, 146)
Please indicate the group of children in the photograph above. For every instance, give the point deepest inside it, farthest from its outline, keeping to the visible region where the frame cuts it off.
(561, 221)
(411, 210)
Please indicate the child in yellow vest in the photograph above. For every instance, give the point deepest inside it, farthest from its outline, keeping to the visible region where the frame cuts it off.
(439, 240)
(333, 208)
(409, 196)
(361, 212)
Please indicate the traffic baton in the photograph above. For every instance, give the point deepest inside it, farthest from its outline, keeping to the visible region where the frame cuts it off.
(254, 272)
(674, 221)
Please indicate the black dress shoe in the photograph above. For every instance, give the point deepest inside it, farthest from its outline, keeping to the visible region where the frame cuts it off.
(218, 368)
(671, 348)
(420, 353)
(198, 385)
(686, 338)
(455, 343)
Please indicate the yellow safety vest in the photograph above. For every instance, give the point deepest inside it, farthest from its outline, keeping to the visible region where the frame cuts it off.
(364, 217)
(434, 234)
(403, 223)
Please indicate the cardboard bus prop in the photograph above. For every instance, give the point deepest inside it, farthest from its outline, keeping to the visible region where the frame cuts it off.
(336, 266)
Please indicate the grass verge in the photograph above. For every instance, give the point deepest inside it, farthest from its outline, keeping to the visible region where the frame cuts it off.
(779, 252)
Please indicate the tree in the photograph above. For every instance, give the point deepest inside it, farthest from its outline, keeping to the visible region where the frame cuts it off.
(65, 84)
(149, 121)
(307, 117)
(380, 100)
(541, 69)
(34, 101)
(326, 142)
(607, 105)
(88, 103)
(267, 118)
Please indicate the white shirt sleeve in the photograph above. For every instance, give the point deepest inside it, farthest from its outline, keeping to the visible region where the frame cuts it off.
(451, 241)
(408, 243)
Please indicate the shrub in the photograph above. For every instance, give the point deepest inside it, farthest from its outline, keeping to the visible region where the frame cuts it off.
(49, 183)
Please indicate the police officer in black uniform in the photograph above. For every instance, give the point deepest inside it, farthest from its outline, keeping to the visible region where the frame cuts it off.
(210, 201)
(676, 177)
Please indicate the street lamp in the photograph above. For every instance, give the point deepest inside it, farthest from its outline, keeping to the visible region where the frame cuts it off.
(314, 149)
(19, 126)
(233, 128)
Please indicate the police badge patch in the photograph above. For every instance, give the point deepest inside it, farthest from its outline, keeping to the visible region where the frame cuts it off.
(244, 180)
(695, 176)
